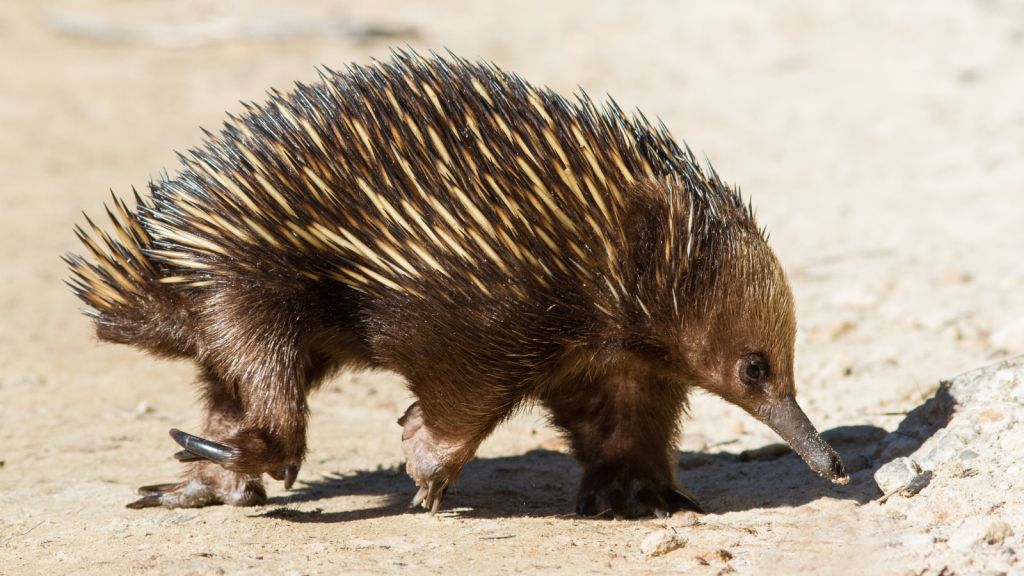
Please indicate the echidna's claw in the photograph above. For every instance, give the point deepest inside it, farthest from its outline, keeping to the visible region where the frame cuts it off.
(196, 448)
(641, 499)
(158, 489)
(430, 496)
(152, 496)
(418, 498)
(186, 456)
(435, 494)
(291, 471)
(681, 500)
(150, 501)
(588, 506)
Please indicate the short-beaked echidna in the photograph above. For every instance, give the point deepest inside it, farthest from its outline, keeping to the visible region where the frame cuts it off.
(490, 241)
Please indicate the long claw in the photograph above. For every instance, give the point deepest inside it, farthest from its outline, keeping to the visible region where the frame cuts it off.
(680, 500)
(429, 500)
(186, 456)
(149, 501)
(418, 498)
(157, 489)
(291, 472)
(202, 447)
(587, 506)
(438, 498)
(431, 496)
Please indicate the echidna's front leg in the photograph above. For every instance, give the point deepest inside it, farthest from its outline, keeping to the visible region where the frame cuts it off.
(434, 457)
(622, 428)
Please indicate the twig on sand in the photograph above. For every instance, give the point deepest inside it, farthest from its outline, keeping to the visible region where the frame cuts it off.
(12, 537)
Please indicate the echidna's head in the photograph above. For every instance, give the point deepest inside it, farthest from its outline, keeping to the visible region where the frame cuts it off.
(745, 354)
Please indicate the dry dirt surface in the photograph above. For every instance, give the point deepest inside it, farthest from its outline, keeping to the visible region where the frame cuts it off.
(881, 143)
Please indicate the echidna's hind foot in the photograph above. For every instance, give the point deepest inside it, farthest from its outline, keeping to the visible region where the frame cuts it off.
(431, 459)
(207, 484)
(200, 449)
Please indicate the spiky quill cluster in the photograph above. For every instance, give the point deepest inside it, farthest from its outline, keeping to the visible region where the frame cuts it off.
(427, 177)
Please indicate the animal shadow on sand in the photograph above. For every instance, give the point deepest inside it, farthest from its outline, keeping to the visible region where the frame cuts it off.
(542, 483)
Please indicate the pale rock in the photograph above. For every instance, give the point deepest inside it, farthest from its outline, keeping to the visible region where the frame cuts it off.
(661, 542)
(897, 475)
(980, 530)
(997, 532)
(685, 519)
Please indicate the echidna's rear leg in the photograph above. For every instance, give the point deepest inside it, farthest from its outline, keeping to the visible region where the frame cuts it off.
(268, 342)
(209, 482)
(255, 424)
(622, 430)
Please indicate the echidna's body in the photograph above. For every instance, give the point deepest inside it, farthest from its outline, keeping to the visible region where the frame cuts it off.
(490, 241)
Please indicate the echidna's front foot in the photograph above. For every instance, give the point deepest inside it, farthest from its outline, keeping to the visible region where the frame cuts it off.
(625, 498)
(207, 484)
(247, 452)
(432, 461)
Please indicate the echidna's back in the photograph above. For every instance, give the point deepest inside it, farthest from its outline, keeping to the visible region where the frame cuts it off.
(399, 175)
(422, 176)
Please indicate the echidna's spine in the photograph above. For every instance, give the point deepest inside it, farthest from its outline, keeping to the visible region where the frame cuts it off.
(122, 290)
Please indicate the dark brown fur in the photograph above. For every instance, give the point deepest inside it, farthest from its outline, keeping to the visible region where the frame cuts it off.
(491, 242)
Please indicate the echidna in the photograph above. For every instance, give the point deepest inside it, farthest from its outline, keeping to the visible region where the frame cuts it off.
(491, 241)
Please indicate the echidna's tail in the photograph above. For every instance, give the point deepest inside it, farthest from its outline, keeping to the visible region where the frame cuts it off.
(123, 290)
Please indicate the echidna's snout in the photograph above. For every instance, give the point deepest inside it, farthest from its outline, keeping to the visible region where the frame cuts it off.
(788, 420)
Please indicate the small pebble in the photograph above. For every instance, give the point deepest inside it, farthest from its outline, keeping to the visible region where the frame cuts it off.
(897, 475)
(661, 542)
(983, 530)
(968, 458)
(997, 531)
(685, 519)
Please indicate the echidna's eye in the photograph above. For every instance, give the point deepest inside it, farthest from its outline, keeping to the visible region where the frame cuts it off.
(753, 369)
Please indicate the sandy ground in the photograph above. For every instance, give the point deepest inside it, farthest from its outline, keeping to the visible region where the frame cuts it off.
(881, 144)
